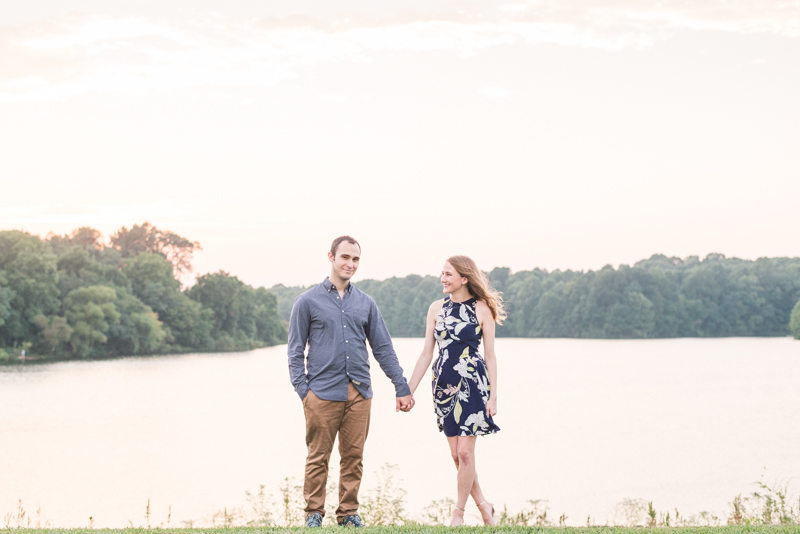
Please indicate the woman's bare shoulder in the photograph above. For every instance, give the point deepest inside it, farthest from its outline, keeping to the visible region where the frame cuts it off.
(436, 307)
(480, 305)
(482, 310)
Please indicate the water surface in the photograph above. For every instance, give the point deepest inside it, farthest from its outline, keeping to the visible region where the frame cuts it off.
(686, 423)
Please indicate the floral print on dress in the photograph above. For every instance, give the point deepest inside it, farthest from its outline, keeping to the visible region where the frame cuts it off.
(460, 383)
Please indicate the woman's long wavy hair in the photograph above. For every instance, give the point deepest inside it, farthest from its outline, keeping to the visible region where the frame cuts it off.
(478, 285)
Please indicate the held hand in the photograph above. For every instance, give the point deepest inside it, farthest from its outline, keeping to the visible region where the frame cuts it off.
(404, 403)
(491, 407)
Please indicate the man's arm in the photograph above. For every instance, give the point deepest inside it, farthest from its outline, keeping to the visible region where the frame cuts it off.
(299, 324)
(383, 350)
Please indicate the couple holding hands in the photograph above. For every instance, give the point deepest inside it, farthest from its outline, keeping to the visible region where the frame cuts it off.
(333, 320)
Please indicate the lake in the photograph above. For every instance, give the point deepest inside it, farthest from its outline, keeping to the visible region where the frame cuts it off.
(686, 423)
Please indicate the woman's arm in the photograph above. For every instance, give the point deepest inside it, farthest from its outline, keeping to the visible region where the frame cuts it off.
(487, 325)
(424, 361)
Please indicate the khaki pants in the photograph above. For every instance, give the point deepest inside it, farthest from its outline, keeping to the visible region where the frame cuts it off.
(324, 419)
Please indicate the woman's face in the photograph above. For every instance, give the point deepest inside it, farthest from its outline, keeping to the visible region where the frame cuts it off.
(451, 280)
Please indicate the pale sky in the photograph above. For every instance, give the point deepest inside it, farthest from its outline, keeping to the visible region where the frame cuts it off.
(555, 134)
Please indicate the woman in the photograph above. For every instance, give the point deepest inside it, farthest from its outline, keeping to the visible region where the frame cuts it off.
(464, 384)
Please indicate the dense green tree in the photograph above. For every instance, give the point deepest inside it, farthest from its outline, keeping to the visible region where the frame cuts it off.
(551, 313)
(794, 321)
(82, 267)
(5, 299)
(779, 279)
(55, 332)
(268, 325)
(190, 324)
(233, 304)
(28, 266)
(90, 311)
(146, 238)
(286, 296)
(86, 238)
(404, 302)
(186, 322)
(633, 316)
(522, 312)
(660, 286)
(498, 277)
(150, 276)
(138, 330)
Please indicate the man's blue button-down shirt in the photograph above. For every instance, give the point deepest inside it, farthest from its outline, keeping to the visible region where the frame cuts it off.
(335, 330)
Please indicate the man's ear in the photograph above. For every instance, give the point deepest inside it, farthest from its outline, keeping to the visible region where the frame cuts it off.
(331, 257)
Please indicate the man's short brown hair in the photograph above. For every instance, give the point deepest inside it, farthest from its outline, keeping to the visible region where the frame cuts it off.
(339, 240)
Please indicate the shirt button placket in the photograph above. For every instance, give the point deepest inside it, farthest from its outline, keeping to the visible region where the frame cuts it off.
(344, 327)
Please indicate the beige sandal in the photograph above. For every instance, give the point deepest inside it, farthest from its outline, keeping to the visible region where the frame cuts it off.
(462, 517)
(494, 521)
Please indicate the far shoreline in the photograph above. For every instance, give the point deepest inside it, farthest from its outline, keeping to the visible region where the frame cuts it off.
(40, 360)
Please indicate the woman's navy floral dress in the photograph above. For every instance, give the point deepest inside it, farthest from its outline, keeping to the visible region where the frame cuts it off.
(460, 383)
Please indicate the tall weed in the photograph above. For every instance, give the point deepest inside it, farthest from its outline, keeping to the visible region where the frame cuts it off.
(438, 512)
(535, 514)
(770, 504)
(20, 518)
(383, 505)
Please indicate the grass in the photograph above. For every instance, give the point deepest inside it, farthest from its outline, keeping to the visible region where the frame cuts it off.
(411, 529)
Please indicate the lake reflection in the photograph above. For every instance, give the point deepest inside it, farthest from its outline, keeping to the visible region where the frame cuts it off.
(686, 423)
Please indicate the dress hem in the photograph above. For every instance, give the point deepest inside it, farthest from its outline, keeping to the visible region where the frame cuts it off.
(470, 435)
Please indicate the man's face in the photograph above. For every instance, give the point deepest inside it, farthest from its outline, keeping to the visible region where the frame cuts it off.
(345, 264)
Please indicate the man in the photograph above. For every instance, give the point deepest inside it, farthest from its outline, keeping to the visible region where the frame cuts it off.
(335, 319)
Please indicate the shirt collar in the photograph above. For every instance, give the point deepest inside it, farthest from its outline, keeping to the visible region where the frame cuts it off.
(330, 287)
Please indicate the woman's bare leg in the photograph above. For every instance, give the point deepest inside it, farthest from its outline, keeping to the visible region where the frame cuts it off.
(465, 461)
(457, 515)
(475, 491)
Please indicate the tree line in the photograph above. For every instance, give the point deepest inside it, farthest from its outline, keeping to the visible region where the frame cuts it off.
(660, 297)
(76, 296)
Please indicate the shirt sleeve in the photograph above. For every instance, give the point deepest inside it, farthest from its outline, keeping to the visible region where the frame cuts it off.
(381, 343)
(299, 324)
